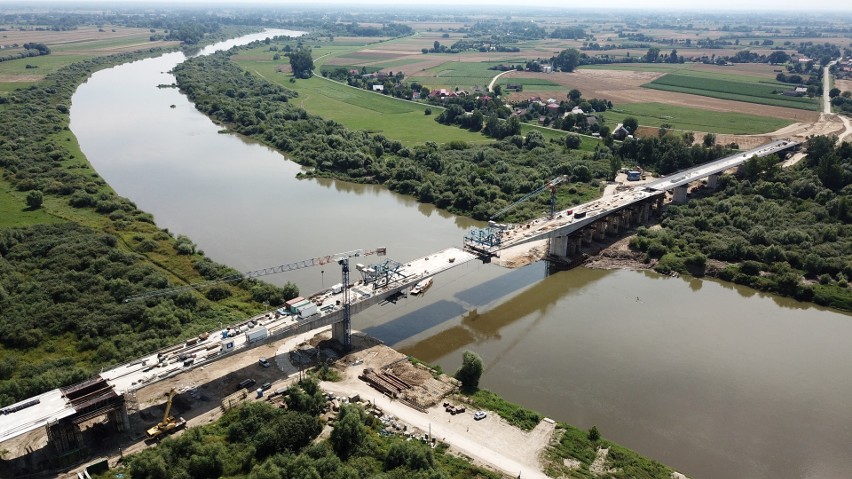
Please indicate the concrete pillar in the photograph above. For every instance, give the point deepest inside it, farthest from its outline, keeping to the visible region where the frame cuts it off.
(713, 181)
(613, 224)
(120, 419)
(573, 246)
(558, 246)
(588, 232)
(599, 230)
(338, 332)
(679, 195)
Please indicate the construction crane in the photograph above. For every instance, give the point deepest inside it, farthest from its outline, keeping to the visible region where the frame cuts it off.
(484, 241)
(318, 261)
(551, 185)
(340, 258)
(169, 423)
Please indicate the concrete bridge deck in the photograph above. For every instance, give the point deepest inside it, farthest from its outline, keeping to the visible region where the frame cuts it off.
(569, 221)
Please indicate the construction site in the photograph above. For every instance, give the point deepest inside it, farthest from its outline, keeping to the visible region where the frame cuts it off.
(186, 384)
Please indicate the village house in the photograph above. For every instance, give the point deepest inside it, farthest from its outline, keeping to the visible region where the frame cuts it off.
(620, 132)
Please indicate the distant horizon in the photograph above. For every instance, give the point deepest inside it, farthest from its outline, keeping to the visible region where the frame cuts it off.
(720, 7)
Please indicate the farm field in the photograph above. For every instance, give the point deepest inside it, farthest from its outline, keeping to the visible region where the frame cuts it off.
(363, 110)
(463, 75)
(529, 84)
(587, 143)
(764, 93)
(68, 47)
(693, 119)
(622, 85)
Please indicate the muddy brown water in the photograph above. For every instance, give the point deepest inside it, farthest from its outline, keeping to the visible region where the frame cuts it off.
(716, 380)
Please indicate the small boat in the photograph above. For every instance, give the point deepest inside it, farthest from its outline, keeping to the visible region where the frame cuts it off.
(422, 286)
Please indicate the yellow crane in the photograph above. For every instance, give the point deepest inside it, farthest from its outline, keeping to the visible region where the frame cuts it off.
(169, 423)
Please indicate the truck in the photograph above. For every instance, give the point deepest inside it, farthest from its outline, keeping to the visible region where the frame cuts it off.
(256, 335)
(306, 310)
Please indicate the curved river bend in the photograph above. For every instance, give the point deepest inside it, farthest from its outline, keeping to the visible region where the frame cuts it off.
(715, 380)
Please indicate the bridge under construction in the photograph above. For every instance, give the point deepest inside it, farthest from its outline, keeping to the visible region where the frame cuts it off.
(63, 412)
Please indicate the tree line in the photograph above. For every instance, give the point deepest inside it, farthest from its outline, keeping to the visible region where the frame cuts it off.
(461, 178)
(63, 285)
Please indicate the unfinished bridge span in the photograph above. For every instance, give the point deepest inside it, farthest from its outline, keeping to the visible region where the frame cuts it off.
(64, 412)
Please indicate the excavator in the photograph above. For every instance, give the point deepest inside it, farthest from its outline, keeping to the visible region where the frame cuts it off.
(169, 423)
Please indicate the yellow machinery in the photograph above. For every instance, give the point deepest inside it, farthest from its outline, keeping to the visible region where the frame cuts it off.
(169, 423)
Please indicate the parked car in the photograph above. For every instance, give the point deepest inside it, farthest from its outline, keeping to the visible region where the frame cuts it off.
(246, 383)
(263, 362)
(478, 415)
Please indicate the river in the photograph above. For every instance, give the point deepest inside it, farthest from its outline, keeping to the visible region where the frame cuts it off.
(716, 380)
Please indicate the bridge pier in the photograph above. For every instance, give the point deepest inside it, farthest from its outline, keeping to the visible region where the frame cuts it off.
(713, 181)
(613, 224)
(574, 244)
(628, 217)
(558, 247)
(338, 332)
(599, 232)
(588, 233)
(679, 195)
(119, 418)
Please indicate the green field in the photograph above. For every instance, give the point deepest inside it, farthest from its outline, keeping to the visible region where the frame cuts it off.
(685, 118)
(458, 74)
(46, 64)
(531, 84)
(640, 67)
(727, 88)
(587, 143)
(364, 110)
(14, 211)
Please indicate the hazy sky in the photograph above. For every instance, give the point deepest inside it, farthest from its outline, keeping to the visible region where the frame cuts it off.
(715, 6)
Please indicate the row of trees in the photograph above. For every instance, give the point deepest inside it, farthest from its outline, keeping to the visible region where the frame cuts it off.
(29, 50)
